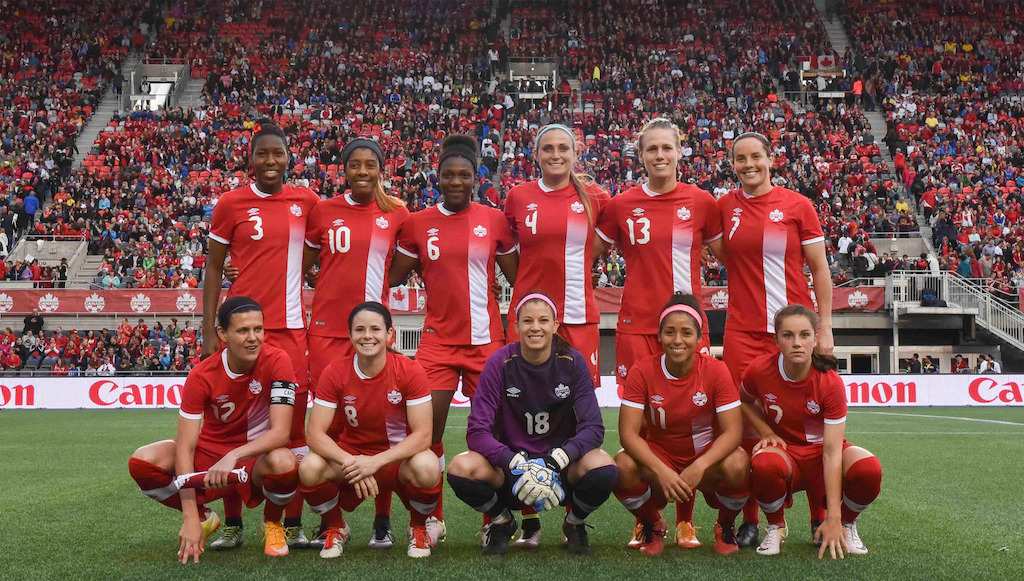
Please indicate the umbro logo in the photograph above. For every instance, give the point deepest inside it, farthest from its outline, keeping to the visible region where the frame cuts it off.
(512, 391)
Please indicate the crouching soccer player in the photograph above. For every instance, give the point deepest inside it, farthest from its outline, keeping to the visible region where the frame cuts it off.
(694, 424)
(235, 417)
(383, 444)
(534, 434)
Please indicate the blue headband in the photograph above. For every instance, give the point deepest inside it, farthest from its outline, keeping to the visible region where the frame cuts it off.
(568, 132)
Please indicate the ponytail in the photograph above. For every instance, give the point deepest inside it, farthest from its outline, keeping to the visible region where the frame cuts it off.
(579, 183)
(559, 345)
(823, 362)
(385, 202)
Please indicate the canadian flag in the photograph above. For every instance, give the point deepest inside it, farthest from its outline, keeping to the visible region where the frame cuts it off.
(399, 299)
(824, 61)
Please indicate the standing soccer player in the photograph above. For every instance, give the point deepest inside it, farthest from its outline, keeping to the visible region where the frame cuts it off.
(534, 434)
(660, 227)
(262, 225)
(353, 236)
(236, 412)
(553, 219)
(770, 232)
(384, 399)
(797, 403)
(455, 245)
(692, 436)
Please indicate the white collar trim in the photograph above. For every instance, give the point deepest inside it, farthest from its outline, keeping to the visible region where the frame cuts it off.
(444, 210)
(227, 368)
(258, 192)
(665, 370)
(782, 371)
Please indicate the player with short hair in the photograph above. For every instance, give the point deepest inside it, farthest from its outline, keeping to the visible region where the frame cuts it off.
(235, 417)
(797, 403)
(262, 225)
(384, 400)
(553, 220)
(692, 433)
(661, 228)
(534, 434)
(353, 236)
(770, 232)
(455, 246)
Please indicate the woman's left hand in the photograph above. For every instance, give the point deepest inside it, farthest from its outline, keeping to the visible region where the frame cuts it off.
(832, 538)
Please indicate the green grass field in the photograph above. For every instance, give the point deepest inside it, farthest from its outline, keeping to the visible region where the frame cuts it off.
(951, 500)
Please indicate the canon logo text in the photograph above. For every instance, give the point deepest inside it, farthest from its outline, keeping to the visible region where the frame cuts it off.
(107, 393)
(988, 390)
(882, 392)
(17, 396)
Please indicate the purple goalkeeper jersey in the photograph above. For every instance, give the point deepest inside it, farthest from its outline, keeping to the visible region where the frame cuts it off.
(519, 406)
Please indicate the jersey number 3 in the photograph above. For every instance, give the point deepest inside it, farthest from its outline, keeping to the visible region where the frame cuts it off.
(257, 225)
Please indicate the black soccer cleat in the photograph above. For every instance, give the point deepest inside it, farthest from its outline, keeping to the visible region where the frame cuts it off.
(747, 537)
(498, 537)
(577, 539)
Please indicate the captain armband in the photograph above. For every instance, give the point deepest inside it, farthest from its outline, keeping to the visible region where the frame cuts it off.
(282, 392)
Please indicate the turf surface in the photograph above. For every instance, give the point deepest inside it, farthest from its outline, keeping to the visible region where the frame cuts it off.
(950, 503)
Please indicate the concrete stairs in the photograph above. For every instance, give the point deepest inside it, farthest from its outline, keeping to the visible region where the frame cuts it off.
(82, 277)
(192, 97)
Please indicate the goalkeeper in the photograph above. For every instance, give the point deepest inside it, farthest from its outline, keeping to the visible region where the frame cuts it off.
(534, 434)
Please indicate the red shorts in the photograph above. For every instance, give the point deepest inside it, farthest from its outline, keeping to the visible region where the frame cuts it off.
(631, 348)
(387, 479)
(294, 343)
(323, 350)
(674, 462)
(205, 458)
(809, 476)
(739, 348)
(445, 364)
(584, 338)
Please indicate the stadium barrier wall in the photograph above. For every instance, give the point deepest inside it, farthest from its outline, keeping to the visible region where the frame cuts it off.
(165, 392)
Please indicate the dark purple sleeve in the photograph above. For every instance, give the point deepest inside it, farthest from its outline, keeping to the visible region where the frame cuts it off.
(482, 416)
(589, 424)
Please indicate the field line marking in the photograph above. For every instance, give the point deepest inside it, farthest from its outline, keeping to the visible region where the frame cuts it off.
(1001, 422)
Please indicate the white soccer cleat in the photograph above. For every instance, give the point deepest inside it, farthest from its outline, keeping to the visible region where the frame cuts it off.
(773, 537)
(334, 543)
(419, 543)
(437, 530)
(528, 540)
(854, 545)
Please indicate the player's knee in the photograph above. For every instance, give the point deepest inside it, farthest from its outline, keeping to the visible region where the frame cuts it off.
(766, 464)
(424, 471)
(736, 466)
(311, 470)
(629, 471)
(464, 465)
(596, 458)
(281, 460)
(866, 472)
(157, 454)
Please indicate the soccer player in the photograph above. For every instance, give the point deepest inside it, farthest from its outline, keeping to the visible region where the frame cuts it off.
(384, 399)
(693, 430)
(353, 236)
(455, 245)
(770, 232)
(262, 226)
(797, 403)
(660, 227)
(534, 433)
(236, 412)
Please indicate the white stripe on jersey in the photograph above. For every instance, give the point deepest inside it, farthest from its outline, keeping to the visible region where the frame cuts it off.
(702, 433)
(682, 245)
(575, 271)
(396, 427)
(259, 421)
(774, 257)
(479, 291)
(814, 431)
(375, 259)
(294, 318)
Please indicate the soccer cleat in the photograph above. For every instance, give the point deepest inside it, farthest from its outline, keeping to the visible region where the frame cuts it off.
(317, 542)
(231, 537)
(275, 544)
(746, 537)
(814, 529)
(437, 530)
(653, 537)
(419, 543)
(382, 538)
(638, 538)
(296, 538)
(530, 539)
(686, 535)
(577, 539)
(773, 537)
(483, 534)
(725, 539)
(854, 545)
(334, 540)
(498, 536)
(210, 524)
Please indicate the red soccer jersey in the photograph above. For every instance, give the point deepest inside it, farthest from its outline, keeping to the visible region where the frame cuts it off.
(238, 403)
(374, 407)
(265, 234)
(661, 237)
(681, 412)
(796, 410)
(556, 247)
(356, 243)
(764, 240)
(457, 254)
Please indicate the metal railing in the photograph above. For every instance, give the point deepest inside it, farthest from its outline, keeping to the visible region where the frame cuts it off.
(999, 317)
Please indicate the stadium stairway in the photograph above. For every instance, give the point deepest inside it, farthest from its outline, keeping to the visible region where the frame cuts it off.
(101, 116)
(193, 93)
(85, 274)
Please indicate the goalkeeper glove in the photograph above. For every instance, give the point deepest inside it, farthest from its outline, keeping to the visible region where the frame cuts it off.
(534, 485)
(557, 459)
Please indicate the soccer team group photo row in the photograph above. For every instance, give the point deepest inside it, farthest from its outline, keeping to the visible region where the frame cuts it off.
(747, 431)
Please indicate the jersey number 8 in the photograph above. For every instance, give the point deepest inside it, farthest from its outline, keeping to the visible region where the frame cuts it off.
(350, 415)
